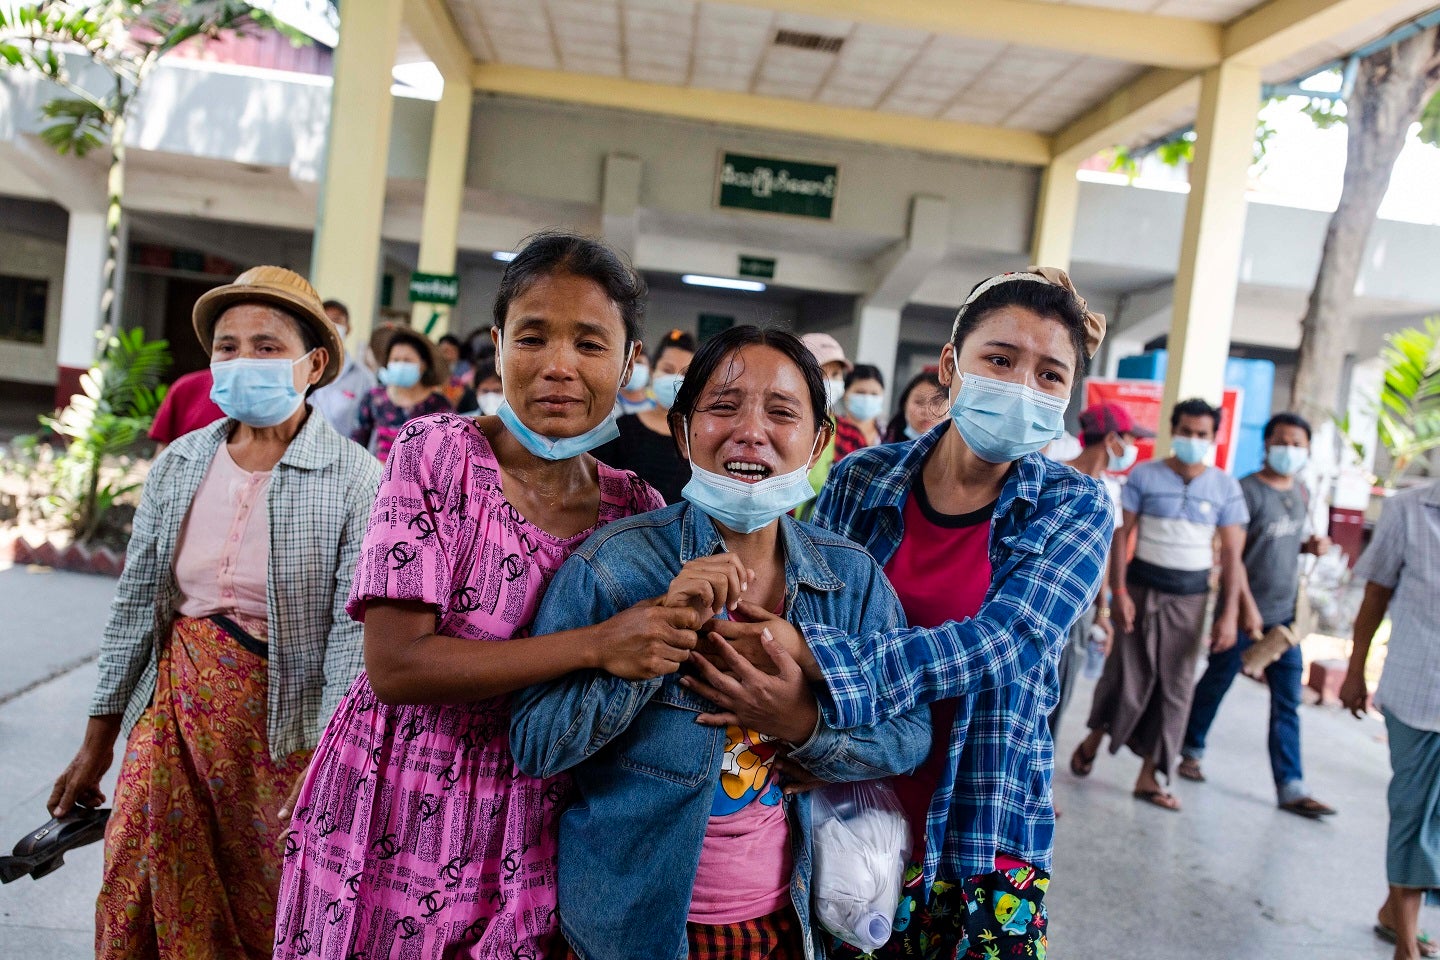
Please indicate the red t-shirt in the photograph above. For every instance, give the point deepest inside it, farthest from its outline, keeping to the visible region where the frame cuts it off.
(941, 572)
(187, 406)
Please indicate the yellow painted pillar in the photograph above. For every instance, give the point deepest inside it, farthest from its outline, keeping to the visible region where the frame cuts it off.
(1208, 274)
(345, 264)
(444, 195)
(1055, 214)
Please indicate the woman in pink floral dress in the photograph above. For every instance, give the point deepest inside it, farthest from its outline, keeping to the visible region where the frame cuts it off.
(414, 834)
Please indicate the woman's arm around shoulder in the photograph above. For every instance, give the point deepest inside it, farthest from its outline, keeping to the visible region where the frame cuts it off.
(1048, 578)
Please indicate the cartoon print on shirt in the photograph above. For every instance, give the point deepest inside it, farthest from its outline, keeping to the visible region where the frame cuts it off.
(746, 772)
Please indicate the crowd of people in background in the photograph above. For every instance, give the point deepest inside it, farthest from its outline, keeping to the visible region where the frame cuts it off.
(535, 643)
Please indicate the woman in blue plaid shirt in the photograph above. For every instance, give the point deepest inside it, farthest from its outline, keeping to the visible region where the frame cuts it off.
(994, 551)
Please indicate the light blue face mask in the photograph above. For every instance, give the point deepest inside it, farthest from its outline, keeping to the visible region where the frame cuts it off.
(260, 393)
(1126, 460)
(666, 387)
(911, 433)
(746, 507)
(1190, 450)
(865, 407)
(639, 378)
(1001, 421)
(1287, 461)
(558, 448)
(399, 373)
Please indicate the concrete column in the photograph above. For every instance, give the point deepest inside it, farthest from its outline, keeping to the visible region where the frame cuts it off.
(898, 272)
(85, 250)
(877, 335)
(444, 195)
(1055, 215)
(1208, 274)
(346, 262)
(620, 201)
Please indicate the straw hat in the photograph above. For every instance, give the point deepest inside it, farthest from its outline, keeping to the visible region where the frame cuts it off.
(275, 287)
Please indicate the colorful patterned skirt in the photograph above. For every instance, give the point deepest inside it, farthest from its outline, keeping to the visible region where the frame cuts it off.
(192, 851)
(988, 917)
(775, 936)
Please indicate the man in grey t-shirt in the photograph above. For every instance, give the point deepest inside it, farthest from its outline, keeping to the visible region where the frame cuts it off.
(1276, 536)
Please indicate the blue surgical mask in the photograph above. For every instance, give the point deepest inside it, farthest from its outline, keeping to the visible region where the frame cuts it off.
(1125, 461)
(639, 378)
(1287, 461)
(1190, 450)
(260, 393)
(746, 507)
(911, 433)
(865, 407)
(1001, 421)
(400, 373)
(558, 448)
(666, 387)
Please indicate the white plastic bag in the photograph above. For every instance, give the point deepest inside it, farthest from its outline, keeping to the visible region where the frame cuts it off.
(862, 842)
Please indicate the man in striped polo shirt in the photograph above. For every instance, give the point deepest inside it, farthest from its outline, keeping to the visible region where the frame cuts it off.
(1176, 506)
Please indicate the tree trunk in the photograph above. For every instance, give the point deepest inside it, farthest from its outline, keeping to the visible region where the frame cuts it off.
(114, 210)
(1391, 87)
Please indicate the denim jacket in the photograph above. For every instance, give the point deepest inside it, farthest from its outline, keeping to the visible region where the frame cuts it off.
(646, 772)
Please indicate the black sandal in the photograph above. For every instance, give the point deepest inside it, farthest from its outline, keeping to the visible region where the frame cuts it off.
(1081, 763)
(42, 851)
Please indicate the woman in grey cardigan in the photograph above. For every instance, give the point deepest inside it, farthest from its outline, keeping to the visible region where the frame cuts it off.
(228, 645)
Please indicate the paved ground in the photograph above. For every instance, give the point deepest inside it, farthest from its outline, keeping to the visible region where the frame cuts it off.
(1230, 877)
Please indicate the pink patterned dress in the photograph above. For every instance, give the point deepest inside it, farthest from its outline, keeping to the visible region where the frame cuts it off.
(416, 837)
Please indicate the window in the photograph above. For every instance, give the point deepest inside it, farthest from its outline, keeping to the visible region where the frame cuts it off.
(22, 309)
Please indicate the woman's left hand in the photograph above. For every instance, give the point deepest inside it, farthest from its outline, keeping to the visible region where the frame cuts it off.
(778, 705)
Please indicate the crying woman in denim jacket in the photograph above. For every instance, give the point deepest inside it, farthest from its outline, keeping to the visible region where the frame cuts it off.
(683, 839)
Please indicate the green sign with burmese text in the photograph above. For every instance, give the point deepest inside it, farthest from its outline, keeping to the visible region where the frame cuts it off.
(792, 188)
(434, 288)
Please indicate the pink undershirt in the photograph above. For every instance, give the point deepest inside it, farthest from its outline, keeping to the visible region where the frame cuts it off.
(745, 858)
(222, 557)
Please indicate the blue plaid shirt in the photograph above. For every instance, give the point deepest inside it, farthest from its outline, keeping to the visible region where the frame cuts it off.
(1048, 543)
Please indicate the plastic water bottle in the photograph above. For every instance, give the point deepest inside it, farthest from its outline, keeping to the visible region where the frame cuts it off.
(1095, 653)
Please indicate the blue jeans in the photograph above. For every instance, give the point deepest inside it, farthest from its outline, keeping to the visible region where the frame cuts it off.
(1283, 678)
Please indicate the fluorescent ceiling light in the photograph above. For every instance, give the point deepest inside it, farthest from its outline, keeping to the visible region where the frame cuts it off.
(725, 283)
(504, 256)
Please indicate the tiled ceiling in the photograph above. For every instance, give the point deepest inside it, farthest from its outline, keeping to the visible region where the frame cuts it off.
(723, 46)
(720, 46)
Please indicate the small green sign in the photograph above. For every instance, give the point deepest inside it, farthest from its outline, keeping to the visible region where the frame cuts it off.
(762, 268)
(434, 288)
(793, 188)
(713, 323)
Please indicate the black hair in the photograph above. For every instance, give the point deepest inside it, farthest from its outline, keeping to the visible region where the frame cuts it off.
(864, 371)
(453, 340)
(337, 305)
(553, 252)
(1195, 408)
(723, 346)
(678, 339)
(1047, 299)
(1287, 419)
(895, 430)
(482, 371)
(429, 376)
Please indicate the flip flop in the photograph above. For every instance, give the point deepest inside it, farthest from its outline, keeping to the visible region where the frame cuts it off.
(42, 851)
(1428, 947)
(1190, 770)
(1080, 764)
(1157, 798)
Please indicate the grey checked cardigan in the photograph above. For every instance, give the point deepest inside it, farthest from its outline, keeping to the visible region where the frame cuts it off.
(319, 502)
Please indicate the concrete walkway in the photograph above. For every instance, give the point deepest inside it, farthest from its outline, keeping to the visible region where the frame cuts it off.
(1230, 877)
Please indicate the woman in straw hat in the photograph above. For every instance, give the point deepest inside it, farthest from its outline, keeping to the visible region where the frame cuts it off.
(228, 646)
(411, 372)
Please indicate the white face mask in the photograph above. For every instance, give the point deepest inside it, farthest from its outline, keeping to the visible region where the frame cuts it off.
(834, 390)
(489, 401)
